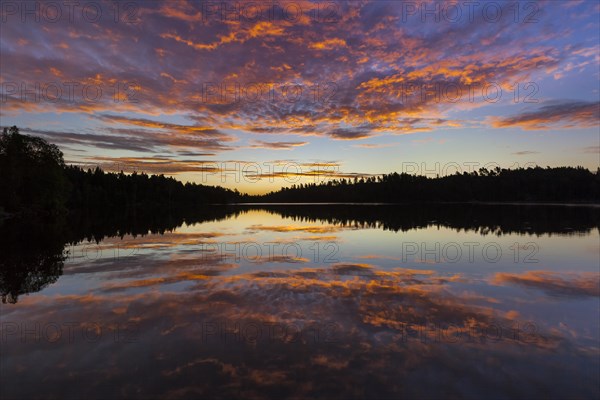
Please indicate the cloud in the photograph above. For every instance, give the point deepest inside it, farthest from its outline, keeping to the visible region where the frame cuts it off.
(191, 130)
(140, 140)
(525, 153)
(259, 144)
(349, 133)
(347, 79)
(328, 44)
(285, 229)
(154, 165)
(566, 114)
(554, 284)
(240, 170)
(340, 321)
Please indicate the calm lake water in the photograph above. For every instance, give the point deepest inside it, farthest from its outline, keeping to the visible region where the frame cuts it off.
(454, 301)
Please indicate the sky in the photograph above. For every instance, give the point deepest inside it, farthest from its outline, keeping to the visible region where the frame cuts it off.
(260, 95)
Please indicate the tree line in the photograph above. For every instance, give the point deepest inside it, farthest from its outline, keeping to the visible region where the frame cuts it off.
(35, 180)
(562, 184)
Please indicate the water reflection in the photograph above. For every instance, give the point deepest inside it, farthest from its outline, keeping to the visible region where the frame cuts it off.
(30, 259)
(190, 310)
(33, 251)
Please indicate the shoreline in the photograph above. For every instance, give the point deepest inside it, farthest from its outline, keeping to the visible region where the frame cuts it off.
(490, 203)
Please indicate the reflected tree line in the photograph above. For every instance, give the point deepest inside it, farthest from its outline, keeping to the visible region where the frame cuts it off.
(46, 205)
(32, 249)
(496, 219)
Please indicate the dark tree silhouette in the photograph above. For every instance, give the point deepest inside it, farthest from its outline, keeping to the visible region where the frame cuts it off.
(563, 184)
(31, 174)
(31, 257)
(36, 181)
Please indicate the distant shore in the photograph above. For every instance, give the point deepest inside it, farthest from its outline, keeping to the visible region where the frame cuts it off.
(491, 203)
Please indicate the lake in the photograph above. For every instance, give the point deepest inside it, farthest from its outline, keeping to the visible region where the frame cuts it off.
(304, 301)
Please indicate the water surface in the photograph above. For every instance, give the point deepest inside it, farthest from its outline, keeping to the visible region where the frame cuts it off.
(306, 301)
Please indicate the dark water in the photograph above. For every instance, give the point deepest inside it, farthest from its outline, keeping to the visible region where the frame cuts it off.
(454, 301)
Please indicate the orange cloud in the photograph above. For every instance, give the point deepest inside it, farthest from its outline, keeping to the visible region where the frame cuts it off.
(555, 284)
(573, 114)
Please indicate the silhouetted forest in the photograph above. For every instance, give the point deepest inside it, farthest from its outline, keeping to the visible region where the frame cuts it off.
(564, 184)
(35, 180)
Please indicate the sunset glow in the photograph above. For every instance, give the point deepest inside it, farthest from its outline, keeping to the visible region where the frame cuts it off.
(256, 96)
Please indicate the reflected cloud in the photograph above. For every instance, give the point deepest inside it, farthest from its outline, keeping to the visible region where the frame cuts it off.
(260, 144)
(554, 284)
(389, 325)
(180, 320)
(285, 229)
